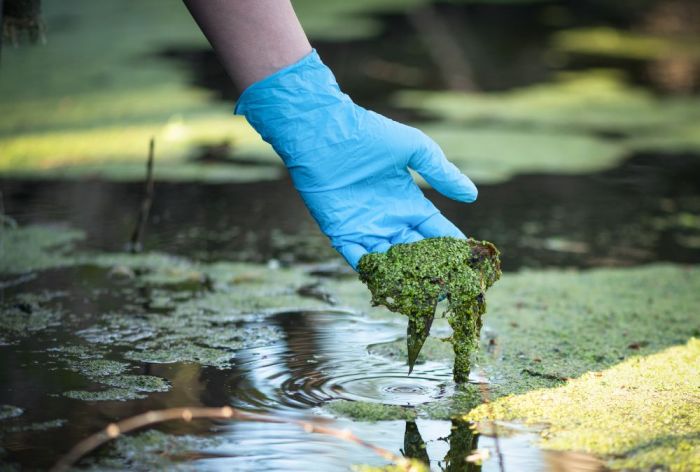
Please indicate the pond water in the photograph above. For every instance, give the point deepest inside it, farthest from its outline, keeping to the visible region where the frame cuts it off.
(310, 357)
(76, 331)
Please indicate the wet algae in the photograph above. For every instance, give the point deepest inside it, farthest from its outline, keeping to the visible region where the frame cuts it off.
(412, 278)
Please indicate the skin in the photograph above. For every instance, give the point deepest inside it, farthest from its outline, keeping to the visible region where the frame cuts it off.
(253, 38)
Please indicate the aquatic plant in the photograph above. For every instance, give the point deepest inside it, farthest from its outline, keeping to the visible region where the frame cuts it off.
(412, 278)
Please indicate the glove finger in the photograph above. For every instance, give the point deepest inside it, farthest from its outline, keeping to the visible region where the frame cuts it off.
(352, 253)
(437, 225)
(407, 236)
(430, 162)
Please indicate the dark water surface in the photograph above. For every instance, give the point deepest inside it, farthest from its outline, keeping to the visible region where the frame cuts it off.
(629, 215)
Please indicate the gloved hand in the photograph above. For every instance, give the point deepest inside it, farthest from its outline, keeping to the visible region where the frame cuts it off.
(351, 165)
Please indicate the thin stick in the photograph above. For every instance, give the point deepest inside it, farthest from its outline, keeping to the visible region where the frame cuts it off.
(115, 430)
(135, 244)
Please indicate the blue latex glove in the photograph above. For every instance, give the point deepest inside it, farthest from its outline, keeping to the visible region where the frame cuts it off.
(349, 164)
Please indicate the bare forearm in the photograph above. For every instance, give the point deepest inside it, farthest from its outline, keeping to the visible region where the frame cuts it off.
(253, 38)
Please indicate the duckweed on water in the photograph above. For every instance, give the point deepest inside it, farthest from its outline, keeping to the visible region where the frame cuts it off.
(642, 413)
(38, 426)
(367, 411)
(97, 367)
(35, 247)
(137, 383)
(22, 319)
(112, 394)
(183, 352)
(411, 278)
(151, 450)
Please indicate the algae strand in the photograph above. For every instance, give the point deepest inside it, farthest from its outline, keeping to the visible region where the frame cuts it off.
(412, 278)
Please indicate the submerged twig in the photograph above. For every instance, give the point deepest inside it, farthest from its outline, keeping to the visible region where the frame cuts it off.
(135, 244)
(114, 430)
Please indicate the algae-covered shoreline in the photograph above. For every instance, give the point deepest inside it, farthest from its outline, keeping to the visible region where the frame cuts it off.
(542, 327)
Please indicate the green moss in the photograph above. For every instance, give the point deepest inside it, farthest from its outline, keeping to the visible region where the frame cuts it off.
(641, 413)
(411, 278)
(366, 411)
(10, 411)
(136, 383)
(112, 394)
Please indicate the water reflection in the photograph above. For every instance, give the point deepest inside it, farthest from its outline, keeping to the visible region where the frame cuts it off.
(324, 357)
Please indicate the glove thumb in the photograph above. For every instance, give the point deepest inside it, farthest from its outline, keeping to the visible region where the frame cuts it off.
(430, 162)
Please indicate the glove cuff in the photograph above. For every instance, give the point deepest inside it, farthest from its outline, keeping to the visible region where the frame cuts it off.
(288, 107)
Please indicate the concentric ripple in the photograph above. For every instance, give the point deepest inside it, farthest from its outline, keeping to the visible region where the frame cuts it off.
(323, 356)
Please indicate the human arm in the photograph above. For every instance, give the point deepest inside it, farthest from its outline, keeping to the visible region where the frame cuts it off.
(350, 165)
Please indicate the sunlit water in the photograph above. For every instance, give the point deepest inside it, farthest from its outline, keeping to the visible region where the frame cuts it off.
(324, 358)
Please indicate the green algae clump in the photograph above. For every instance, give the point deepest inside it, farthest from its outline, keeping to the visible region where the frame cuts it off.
(412, 278)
